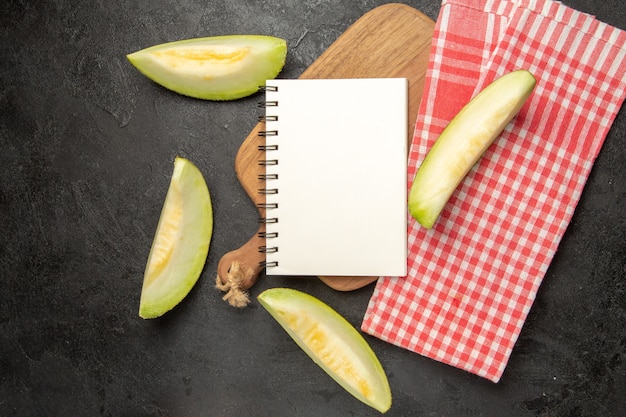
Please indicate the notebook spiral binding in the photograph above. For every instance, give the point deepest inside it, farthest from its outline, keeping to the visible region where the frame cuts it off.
(267, 176)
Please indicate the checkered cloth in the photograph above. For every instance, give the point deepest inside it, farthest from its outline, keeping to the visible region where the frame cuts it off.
(473, 278)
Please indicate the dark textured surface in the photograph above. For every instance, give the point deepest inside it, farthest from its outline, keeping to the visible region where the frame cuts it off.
(87, 150)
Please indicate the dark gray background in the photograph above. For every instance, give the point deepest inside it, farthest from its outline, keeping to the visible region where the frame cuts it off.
(87, 145)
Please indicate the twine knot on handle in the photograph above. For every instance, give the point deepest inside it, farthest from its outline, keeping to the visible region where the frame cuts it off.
(238, 271)
(236, 277)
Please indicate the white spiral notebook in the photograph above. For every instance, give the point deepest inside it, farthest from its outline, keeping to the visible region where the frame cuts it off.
(336, 177)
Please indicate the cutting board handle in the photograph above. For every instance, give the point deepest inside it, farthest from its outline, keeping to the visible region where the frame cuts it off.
(238, 270)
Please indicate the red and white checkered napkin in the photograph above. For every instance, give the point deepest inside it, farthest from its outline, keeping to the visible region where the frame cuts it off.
(473, 277)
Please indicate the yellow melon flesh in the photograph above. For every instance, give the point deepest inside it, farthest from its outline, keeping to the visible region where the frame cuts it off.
(213, 68)
(181, 242)
(332, 342)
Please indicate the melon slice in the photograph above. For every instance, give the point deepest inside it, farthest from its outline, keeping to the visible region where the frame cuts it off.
(213, 68)
(332, 342)
(464, 141)
(181, 242)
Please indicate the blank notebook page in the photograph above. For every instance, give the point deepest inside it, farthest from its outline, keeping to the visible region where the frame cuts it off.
(340, 148)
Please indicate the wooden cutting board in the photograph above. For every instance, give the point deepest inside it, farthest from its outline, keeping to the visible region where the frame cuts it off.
(392, 40)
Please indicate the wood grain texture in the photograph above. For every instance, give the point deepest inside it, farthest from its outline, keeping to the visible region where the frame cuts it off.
(389, 41)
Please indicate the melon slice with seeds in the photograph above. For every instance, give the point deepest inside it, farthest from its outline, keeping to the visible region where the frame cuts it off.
(181, 242)
(213, 68)
(332, 342)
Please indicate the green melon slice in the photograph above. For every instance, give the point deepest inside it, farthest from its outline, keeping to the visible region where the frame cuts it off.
(464, 141)
(181, 242)
(213, 68)
(332, 342)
